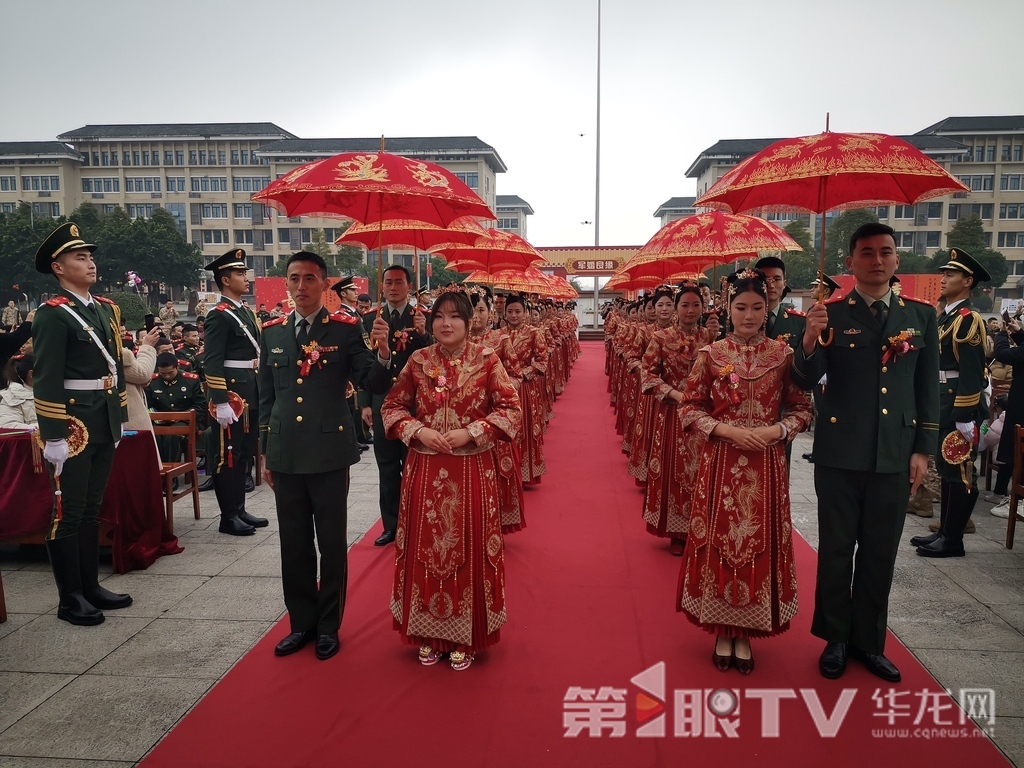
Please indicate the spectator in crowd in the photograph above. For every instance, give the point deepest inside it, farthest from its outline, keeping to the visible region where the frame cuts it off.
(17, 409)
(993, 329)
(11, 318)
(168, 315)
(138, 370)
(176, 391)
(263, 314)
(191, 350)
(201, 309)
(13, 342)
(201, 327)
(278, 311)
(176, 331)
(363, 303)
(1011, 355)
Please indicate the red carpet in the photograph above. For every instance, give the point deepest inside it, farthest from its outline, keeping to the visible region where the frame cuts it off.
(590, 604)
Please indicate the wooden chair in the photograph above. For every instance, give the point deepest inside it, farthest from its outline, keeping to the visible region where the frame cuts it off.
(1017, 484)
(3, 602)
(182, 424)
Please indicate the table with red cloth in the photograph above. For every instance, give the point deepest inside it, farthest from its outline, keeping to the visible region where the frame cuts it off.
(132, 513)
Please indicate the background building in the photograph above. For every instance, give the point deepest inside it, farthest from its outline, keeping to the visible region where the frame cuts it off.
(985, 153)
(512, 211)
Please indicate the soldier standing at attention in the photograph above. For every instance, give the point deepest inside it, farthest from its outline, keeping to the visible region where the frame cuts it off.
(231, 362)
(407, 332)
(877, 425)
(308, 360)
(961, 402)
(81, 402)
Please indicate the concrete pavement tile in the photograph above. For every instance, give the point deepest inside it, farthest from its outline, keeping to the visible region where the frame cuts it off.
(965, 567)
(998, 670)
(48, 644)
(941, 623)
(999, 585)
(264, 560)
(30, 591)
(21, 692)
(16, 621)
(1011, 613)
(152, 594)
(203, 558)
(233, 597)
(185, 648)
(47, 762)
(1008, 734)
(141, 710)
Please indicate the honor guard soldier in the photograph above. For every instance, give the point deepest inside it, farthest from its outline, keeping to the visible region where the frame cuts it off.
(231, 362)
(784, 324)
(307, 361)
(877, 425)
(407, 332)
(81, 403)
(175, 391)
(824, 289)
(962, 406)
(349, 295)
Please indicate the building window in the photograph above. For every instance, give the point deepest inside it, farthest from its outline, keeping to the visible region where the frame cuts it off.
(179, 157)
(234, 157)
(284, 235)
(268, 236)
(168, 157)
(222, 157)
(8, 207)
(1009, 210)
(1009, 181)
(111, 184)
(904, 239)
(932, 239)
(471, 180)
(249, 183)
(990, 154)
(40, 183)
(934, 210)
(202, 157)
(1010, 240)
(245, 157)
(145, 158)
(243, 211)
(1017, 149)
(1005, 154)
(511, 223)
(215, 237)
(984, 210)
(883, 212)
(176, 184)
(8, 183)
(209, 183)
(193, 157)
(243, 237)
(215, 210)
(988, 182)
(904, 212)
(109, 207)
(142, 184)
(979, 154)
(177, 210)
(140, 210)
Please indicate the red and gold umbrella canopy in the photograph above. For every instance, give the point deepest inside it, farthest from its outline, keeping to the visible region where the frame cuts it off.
(414, 234)
(831, 171)
(374, 186)
(530, 280)
(714, 238)
(495, 251)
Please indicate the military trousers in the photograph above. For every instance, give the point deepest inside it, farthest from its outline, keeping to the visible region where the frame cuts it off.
(390, 457)
(82, 483)
(312, 513)
(860, 522)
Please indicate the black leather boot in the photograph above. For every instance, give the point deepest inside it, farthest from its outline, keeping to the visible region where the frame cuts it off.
(224, 487)
(73, 608)
(89, 566)
(242, 480)
(951, 540)
(923, 541)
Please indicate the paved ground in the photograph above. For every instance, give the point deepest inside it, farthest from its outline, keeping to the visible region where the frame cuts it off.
(63, 689)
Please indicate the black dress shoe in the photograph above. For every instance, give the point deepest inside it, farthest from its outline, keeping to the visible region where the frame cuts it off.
(296, 641)
(255, 522)
(327, 645)
(808, 457)
(384, 539)
(250, 484)
(363, 446)
(832, 663)
(207, 484)
(235, 527)
(924, 541)
(877, 664)
(942, 547)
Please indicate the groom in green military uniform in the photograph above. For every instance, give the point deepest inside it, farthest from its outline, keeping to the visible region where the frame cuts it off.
(877, 424)
(231, 363)
(962, 406)
(81, 402)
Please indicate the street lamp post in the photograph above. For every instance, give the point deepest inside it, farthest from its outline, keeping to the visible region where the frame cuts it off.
(597, 168)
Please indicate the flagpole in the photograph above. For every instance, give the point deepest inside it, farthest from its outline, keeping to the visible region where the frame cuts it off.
(597, 169)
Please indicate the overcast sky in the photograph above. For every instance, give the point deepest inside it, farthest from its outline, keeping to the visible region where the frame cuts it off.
(677, 75)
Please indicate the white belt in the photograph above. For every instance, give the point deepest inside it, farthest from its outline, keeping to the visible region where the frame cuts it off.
(944, 375)
(91, 384)
(251, 365)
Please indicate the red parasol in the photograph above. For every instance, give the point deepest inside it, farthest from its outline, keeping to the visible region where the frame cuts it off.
(495, 251)
(831, 171)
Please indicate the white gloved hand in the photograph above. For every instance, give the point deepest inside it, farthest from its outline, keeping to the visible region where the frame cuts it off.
(56, 452)
(225, 416)
(966, 428)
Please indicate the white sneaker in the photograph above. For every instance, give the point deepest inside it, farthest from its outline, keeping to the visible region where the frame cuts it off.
(1001, 510)
(995, 498)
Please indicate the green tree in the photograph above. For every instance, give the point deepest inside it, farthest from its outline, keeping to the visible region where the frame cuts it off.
(348, 257)
(837, 237)
(801, 269)
(133, 308)
(969, 235)
(914, 263)
(440, 274)
(18, 244)
(799, 232)
(318, 245)
(280, 268)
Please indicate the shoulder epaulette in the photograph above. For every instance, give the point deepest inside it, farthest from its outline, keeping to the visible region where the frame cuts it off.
(275, 321)
(795, 312)
(56, 301)
(966, 311)
(105, 300)
(917, 300)
(154, 377)
(223, 306)
(835, 300)
(189, 375)
(182, 363)
(342, 318)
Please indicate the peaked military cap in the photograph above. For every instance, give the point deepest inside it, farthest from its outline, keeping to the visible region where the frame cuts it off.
(962, 261)
(831, 284)
(233, 259)
(342, 284)
(64, 238)
(423, 291)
